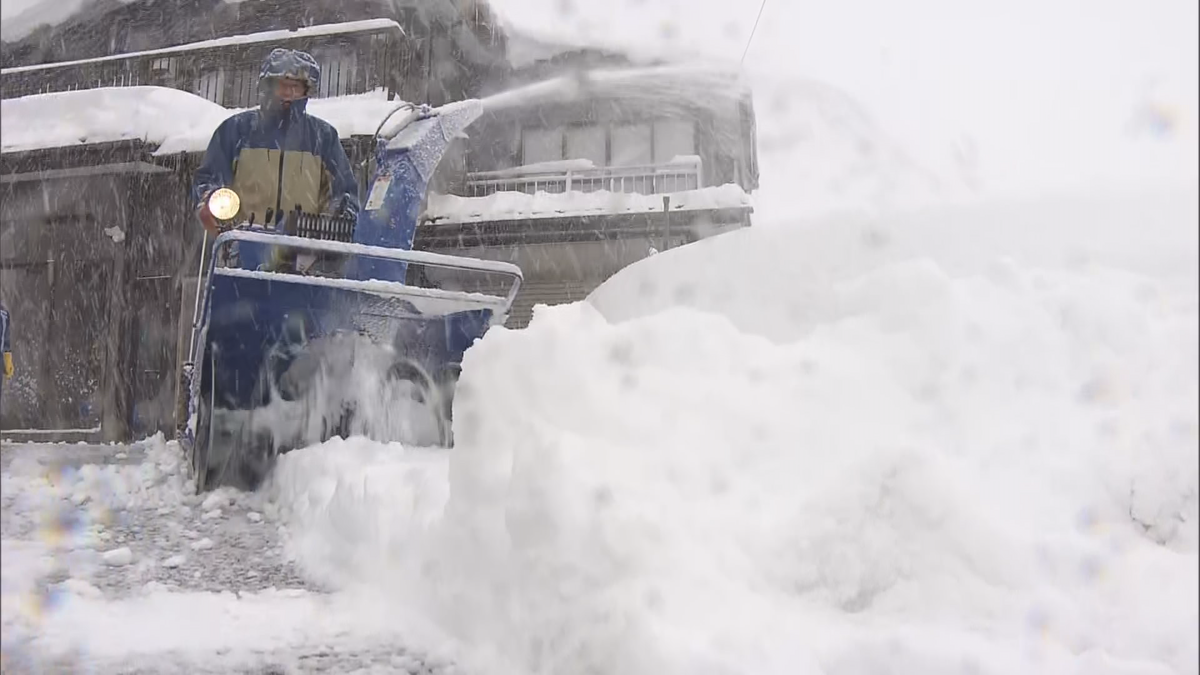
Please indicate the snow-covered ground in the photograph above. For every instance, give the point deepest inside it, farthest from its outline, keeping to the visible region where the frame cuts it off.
(111, 563)
(965, 440)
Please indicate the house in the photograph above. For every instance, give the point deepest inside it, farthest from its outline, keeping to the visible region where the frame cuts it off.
(576, 176)
(578, 167)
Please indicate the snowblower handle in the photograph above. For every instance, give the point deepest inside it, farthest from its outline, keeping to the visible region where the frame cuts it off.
(400, 255)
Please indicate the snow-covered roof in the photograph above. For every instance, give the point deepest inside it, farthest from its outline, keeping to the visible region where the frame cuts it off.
(176, 121)
(443, 209)
(249, 38)
(150, 114)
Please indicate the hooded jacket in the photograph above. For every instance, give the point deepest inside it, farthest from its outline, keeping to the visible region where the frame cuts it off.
(277, 159)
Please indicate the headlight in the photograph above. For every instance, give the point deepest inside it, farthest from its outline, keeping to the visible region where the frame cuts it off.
(224, 204)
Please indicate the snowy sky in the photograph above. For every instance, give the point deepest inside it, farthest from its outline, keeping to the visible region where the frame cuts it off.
(1043, 91)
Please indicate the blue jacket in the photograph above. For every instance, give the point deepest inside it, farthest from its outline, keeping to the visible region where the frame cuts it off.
(276, 161)
(5, 346)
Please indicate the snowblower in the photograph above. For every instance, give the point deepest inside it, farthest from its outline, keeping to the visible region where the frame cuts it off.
(327, 326)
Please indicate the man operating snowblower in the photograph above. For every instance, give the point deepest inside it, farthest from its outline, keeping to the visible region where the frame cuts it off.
(278, 158)
(283, 358)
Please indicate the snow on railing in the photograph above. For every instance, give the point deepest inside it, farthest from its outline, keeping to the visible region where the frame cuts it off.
(676, 176)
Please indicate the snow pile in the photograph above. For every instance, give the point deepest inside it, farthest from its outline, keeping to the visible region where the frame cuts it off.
(520, 205)
(964, 455)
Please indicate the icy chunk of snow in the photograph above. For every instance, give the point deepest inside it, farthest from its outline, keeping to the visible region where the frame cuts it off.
(117, 557)
(117, 234)
(211, 515)
(214, 500)
(174, 561)
(81, 588)
(254, 517)
(154, 587)
(202, 545)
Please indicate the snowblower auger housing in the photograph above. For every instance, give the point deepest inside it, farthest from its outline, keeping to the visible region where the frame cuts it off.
(324, 327)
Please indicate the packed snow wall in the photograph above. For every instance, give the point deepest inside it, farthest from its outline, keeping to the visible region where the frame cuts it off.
(959, 439)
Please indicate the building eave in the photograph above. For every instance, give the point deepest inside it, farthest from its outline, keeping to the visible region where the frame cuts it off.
(698, 224)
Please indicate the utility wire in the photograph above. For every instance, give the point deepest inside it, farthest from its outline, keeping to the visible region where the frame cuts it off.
(752, 31)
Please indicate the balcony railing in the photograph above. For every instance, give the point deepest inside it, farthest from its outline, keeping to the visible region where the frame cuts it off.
(649, 180)
(355, 57)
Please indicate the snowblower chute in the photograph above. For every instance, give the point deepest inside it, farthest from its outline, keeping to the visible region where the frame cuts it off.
(331, 327)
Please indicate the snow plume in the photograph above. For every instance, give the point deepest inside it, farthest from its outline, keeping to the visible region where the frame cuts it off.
(345, 384)
(967, 452)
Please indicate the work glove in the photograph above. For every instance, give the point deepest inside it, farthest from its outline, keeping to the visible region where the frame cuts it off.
(8, 365)
(207, 219)
(345, 208)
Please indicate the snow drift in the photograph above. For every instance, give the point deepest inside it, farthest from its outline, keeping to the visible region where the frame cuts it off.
(960, 441)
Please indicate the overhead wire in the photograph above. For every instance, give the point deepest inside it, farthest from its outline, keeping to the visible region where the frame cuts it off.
(753, 31)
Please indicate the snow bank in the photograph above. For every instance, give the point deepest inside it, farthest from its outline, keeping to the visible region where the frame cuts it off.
(519, 205)
(962, 452)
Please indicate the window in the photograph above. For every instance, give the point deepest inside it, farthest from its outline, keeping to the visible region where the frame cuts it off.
(541, 145)
(619, 145)
(338, 70)
(211, 85)
(673, 138)
(631, 145)
(588, 142)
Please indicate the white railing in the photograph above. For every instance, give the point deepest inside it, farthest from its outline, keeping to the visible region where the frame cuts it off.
(648, 180)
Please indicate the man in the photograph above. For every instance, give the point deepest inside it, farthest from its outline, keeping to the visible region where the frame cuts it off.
(5, 345)
(278, 157)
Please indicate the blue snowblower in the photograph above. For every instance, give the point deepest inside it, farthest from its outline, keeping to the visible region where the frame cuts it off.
(325, 327)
